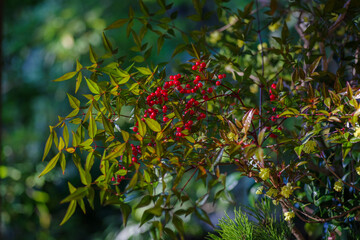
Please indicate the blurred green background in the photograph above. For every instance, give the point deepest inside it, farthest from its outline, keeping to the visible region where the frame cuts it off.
(41, 41)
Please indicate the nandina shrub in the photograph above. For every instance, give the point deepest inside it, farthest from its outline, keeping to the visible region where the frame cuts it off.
(277, 114)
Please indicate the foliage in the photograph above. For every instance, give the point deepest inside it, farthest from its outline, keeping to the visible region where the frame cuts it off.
(266, 223)
(301, 144)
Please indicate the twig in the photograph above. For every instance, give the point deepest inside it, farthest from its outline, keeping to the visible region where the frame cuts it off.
(262, 62)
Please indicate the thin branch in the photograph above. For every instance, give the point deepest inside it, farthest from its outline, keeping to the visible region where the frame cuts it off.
(262, 62)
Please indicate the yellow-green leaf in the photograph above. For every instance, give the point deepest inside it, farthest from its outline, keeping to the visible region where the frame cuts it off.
(48, 146)
(66, 76)
(153, 124)
(50, 165)
(69, 212)
(92, 127)
(125, 135)
(93, 57)
(74, 102)
(143, 70)
(62, 162)
(78, 81)
(142, 127)
(107, 43)
(77, 194)
(116, 152)
(94, 88)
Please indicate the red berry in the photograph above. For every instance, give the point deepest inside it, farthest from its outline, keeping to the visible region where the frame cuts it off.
(273, 86)
(205, 97)
(178, 129)
(178, 75)
(197, 63)
(218, 83)
(220, 76)
(164, 108)
(188, 86)
(200, 85)
(153, 115)
(203, 65)
(272, 97)
(171, 77)
(203, 92)
(202, 115)
(224, 75)
(194, 67)
(198, 78)
(272, 135)
(210, 90)
(135, 129)
(134, 159)
(165, 119)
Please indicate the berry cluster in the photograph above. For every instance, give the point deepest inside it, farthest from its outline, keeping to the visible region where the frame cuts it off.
(136, 152)
(190, 91)
(118, 178)
(272, 96)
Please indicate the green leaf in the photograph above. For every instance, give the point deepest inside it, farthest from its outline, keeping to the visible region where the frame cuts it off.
(203, 216)
(346, 147)
(141, 127)
(322, 199)
(48, 145)
(298, 150)
(77, 194)
(145, 201)
(125, 210)
(66, 76)
(160, 43)
(94, 88)
(144, 71)
(107, 43)
(50, 165)
(117, 24)
(92, 129)
(133, 181)
(89, 161)
(93, 56)
(74, 102)
(70, 211)
(153, 124)
(125, 135)
(178, 223)
(107, 125)
(62, 162)
(180, 48)
(118, 150)
(78, 82)
(66, 135)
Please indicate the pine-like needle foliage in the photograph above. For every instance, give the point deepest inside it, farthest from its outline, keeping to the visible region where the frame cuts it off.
(266, 224)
